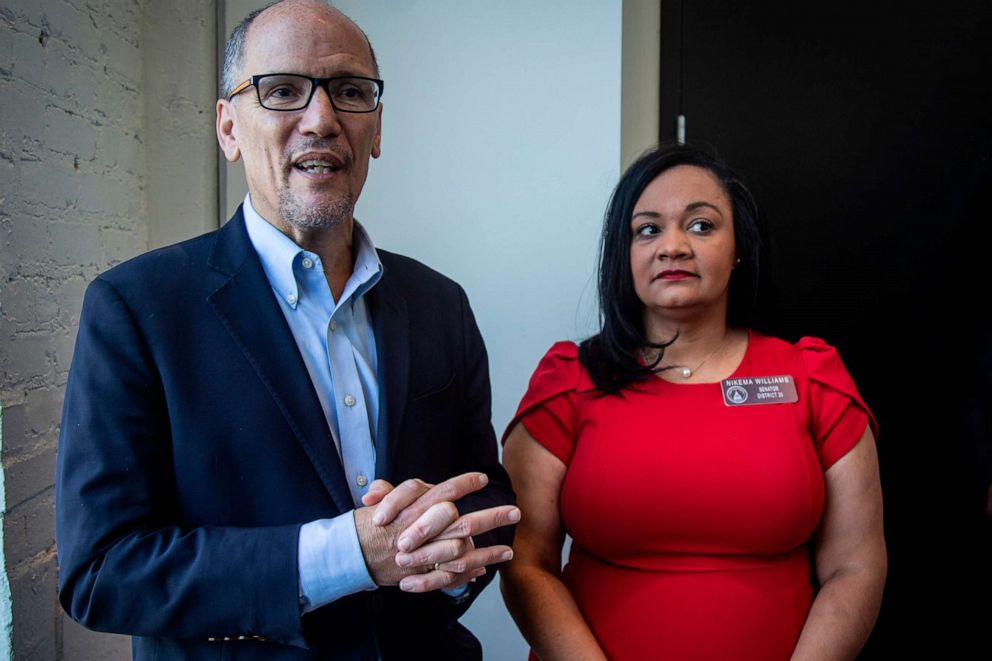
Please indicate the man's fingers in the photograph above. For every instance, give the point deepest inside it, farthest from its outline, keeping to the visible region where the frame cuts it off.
(475, 523)
(434, 552)
(453, 488)
(454, 556)
(399, 499)
(462, 579)
(435, 580)
(476, 558)
(377, 490)
(422, 495)
(437, 517)
(458, 571)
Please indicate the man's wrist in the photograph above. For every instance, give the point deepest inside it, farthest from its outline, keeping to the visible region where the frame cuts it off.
(331, 565)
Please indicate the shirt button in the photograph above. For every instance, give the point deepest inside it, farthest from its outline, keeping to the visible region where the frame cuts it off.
(349, 400)
(291, 299)
(307, 263)
(361, 480)
(334, 325)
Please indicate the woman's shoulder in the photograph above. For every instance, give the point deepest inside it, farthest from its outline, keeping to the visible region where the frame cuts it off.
(819, 361)
(558, 370)
(822, 360)
(772, 343)
(558, 373)
(565, 351)
(813, 351)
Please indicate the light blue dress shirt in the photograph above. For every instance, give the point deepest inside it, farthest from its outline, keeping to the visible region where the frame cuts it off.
(338, 347)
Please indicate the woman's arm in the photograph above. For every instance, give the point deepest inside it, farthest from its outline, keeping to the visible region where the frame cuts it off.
(531, 583)
(850, 559)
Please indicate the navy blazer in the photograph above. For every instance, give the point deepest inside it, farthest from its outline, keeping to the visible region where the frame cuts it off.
(193, 446)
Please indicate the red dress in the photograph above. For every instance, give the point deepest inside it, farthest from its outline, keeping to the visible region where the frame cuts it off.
(690, 518)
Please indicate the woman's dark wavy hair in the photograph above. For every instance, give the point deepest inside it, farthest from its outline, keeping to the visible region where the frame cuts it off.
(611, 356)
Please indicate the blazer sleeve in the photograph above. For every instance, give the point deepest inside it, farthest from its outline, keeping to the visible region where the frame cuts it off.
(125, 565)
(481, 451)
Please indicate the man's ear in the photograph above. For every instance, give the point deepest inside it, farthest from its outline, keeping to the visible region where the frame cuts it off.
(376, 142)
(226, 133)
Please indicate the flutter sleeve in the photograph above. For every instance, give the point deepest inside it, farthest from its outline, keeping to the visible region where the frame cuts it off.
(547, 409)
(838, 415)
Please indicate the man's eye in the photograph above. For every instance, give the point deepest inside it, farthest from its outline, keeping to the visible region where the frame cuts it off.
(351, 93)
(282, 92)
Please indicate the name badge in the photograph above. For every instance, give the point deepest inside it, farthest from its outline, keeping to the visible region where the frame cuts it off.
(753, 390)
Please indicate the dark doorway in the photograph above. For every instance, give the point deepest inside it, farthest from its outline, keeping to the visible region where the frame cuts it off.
(864, 132)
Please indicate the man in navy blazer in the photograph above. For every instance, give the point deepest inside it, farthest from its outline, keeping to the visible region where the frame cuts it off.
(232, 397)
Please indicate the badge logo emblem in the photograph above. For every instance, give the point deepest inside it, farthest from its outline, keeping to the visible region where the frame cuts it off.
(736, 394)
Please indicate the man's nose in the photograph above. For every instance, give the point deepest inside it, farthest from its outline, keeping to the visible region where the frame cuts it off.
(319, 117)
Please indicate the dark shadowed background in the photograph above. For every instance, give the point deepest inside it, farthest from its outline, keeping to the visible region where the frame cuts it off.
(864, 133)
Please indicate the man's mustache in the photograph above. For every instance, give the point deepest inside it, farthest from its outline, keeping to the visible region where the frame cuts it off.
(317, 144)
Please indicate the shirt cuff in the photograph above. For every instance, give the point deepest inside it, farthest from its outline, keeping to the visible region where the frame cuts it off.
(458, 593)
(331, 564)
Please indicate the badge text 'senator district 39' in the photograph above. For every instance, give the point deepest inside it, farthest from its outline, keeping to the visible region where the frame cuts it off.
(751, 390)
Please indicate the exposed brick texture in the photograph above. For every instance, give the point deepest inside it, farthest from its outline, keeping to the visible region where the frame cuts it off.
(77, 102)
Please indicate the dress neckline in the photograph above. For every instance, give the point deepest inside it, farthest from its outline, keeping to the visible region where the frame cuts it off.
(745, 360)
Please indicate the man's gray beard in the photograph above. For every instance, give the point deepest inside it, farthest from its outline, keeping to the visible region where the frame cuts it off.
(323, 216)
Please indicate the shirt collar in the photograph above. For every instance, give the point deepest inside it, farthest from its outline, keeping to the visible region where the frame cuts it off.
(277, 253)
(368, 267)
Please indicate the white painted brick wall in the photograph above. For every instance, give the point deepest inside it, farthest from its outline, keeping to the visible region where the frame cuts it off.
(72, 168)
(74, 180)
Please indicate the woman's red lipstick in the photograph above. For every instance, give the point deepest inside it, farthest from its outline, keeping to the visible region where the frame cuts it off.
(675, 274)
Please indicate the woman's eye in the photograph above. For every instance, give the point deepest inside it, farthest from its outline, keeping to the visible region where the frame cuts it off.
(700, 226)
(647, 230)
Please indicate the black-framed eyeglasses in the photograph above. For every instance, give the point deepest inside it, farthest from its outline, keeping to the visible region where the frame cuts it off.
(291, 91)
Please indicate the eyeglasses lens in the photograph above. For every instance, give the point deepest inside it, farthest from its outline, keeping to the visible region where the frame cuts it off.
(287, 92)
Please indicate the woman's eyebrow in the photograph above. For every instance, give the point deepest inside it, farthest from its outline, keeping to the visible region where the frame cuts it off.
(692, 206)
(696, 205)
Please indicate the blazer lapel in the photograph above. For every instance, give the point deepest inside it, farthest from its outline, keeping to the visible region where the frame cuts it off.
(391, 327)
(248, 310)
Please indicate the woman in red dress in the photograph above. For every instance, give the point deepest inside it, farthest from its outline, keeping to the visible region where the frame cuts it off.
(720, 486)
